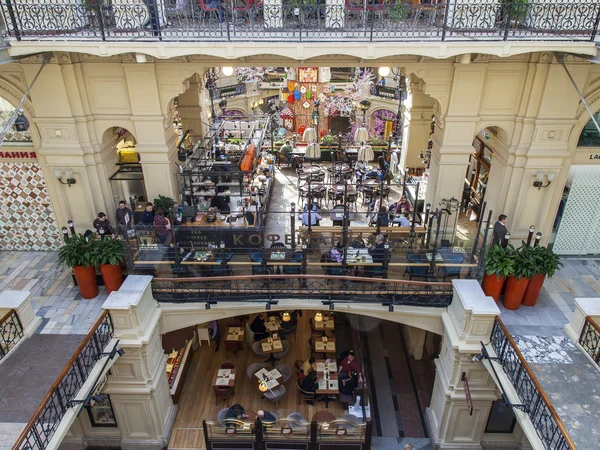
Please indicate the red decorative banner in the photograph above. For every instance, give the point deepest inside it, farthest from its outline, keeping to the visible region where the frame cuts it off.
(467, 393)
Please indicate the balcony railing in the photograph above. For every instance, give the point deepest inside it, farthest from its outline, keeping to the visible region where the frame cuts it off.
(41, 428)
(534, 401)
(590, 339)
(11, 332)
(297, 20)
(329, 289)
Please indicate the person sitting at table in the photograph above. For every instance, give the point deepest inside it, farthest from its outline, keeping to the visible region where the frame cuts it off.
(309, 365)
(403, 220)
(237, 411)
(349, 365)
(102, 226)
(286, 151)
(315, 217)
(266, 416)
(337, 253)
(147, 216)
(349, 384)
(258, 328)
(221, 203)
(310, 384)
(382, 216)
(402, 205)
(377, 251)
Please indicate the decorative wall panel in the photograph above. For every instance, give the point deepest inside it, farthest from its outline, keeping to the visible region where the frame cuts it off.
(27, 220)
(578, 233)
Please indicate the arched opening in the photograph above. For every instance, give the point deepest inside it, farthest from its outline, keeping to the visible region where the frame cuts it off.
(28, 219)
(392, 389)
(127, 179)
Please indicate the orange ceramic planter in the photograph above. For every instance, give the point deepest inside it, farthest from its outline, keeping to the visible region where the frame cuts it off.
(533, 290)
(514, 292)
(112, 276)
(86, 280)
(492, 285)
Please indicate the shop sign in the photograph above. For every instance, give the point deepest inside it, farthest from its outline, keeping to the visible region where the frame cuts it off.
(286, 430)
(18, 155)
(593, 156)
(340, 432)
(467, 393)
(231, 430)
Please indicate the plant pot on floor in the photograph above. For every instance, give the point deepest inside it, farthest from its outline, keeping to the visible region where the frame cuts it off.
(534, 287)
(492, 285)
(112, 276)
(514, 292)
(86, 280)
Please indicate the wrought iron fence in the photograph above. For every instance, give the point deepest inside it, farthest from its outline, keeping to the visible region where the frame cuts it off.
(41, 428)
(329, 289)
(590, 339)
(536, 404)
(294, 20)
(11, 332)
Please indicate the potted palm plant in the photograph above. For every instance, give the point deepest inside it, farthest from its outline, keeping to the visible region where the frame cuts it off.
(547, 262)
(516, 284)
(108, 254)
(499, 264)
(77, 253)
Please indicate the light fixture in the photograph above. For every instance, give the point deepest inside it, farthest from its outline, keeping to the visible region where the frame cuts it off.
(58, 173)
(268, 307)
(261, 101)
(71, 226)
(21, 123)
(262, 386)
(391, 307)
(140, 58)
(228, 71)
(223, 105)
(364, 105)
(331, 306)
(286, 317)
(207, 305)
(384, 71)
(539, 179)
(318, 317)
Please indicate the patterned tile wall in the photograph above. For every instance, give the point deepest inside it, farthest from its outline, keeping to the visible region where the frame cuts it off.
(27, 221)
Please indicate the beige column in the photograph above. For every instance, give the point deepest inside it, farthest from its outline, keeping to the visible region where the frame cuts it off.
(189, 107)
(468, 320)
(154, 132)
(138, 385)
(417, 120)
(415, 341)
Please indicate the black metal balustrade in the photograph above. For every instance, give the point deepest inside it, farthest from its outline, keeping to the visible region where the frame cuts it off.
(534, 401)
(294, 20)
(329, 289)
(41, 428)
(590, 339)
(11, 332)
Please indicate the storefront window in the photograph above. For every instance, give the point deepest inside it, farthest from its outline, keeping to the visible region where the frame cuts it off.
(590, 136)
(101, 412)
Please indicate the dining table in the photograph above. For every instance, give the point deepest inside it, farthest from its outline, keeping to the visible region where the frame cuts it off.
(272, 378)
(234, 334)
(224, 378)
(270, 346)
(325, 345)
(327, 377)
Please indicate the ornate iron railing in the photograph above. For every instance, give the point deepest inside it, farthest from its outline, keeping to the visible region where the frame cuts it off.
(590, 339)
(329, 289)
(11, 332)
(245, 20)
(536, 404)
(41, 428)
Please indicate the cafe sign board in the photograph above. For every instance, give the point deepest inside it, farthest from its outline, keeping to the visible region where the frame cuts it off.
(467, 393)
(27, 155)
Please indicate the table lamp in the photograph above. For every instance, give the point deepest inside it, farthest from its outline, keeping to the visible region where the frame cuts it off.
(286, 317)
(318, 317)
(262, 386)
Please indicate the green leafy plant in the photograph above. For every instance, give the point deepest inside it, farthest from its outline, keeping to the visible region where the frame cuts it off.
(108, 251)
(77, 251)
(166, 203)
(551, 262)
(399, 11)
(328, 140)
(500, 261)
(377, 141)
(526, 262)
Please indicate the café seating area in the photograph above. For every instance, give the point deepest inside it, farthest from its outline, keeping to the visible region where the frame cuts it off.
(265, 373)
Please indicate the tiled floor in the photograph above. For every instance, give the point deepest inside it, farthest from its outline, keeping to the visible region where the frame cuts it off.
(566, 375)
(54, 297)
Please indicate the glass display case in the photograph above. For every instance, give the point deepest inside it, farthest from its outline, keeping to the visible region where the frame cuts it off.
(176, 368)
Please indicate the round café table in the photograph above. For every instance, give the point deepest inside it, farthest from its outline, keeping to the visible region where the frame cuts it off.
(323, 416)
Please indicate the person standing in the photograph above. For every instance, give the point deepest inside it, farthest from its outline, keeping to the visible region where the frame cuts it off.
(315, 217)
(213, 330)
(500, 232)
(124, 217)
(162, 227)
(147, 217)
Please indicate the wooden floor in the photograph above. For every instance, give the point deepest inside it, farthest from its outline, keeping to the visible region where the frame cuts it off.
(197, 401)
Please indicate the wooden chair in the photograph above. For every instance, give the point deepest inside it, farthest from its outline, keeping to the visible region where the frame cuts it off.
(227, 365)
(311, 321)
(223, 393)
(304, 395)
(232, 346)
(298, 366)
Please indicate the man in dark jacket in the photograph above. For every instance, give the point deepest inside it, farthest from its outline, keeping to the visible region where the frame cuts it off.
(147, 217)
(500, 232)
(310, 384)
(259, 329)
(124, 217)
(102, 225)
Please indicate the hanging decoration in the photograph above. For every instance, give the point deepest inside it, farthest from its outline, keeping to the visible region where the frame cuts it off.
(287, 115)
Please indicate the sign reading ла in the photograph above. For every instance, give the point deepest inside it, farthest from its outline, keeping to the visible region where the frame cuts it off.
(18, 155)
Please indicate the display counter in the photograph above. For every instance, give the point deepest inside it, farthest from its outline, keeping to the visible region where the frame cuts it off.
(177, 366)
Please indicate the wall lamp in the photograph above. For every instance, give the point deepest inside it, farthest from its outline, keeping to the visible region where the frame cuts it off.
(58, 173)
(539, 179)
(485, 355)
